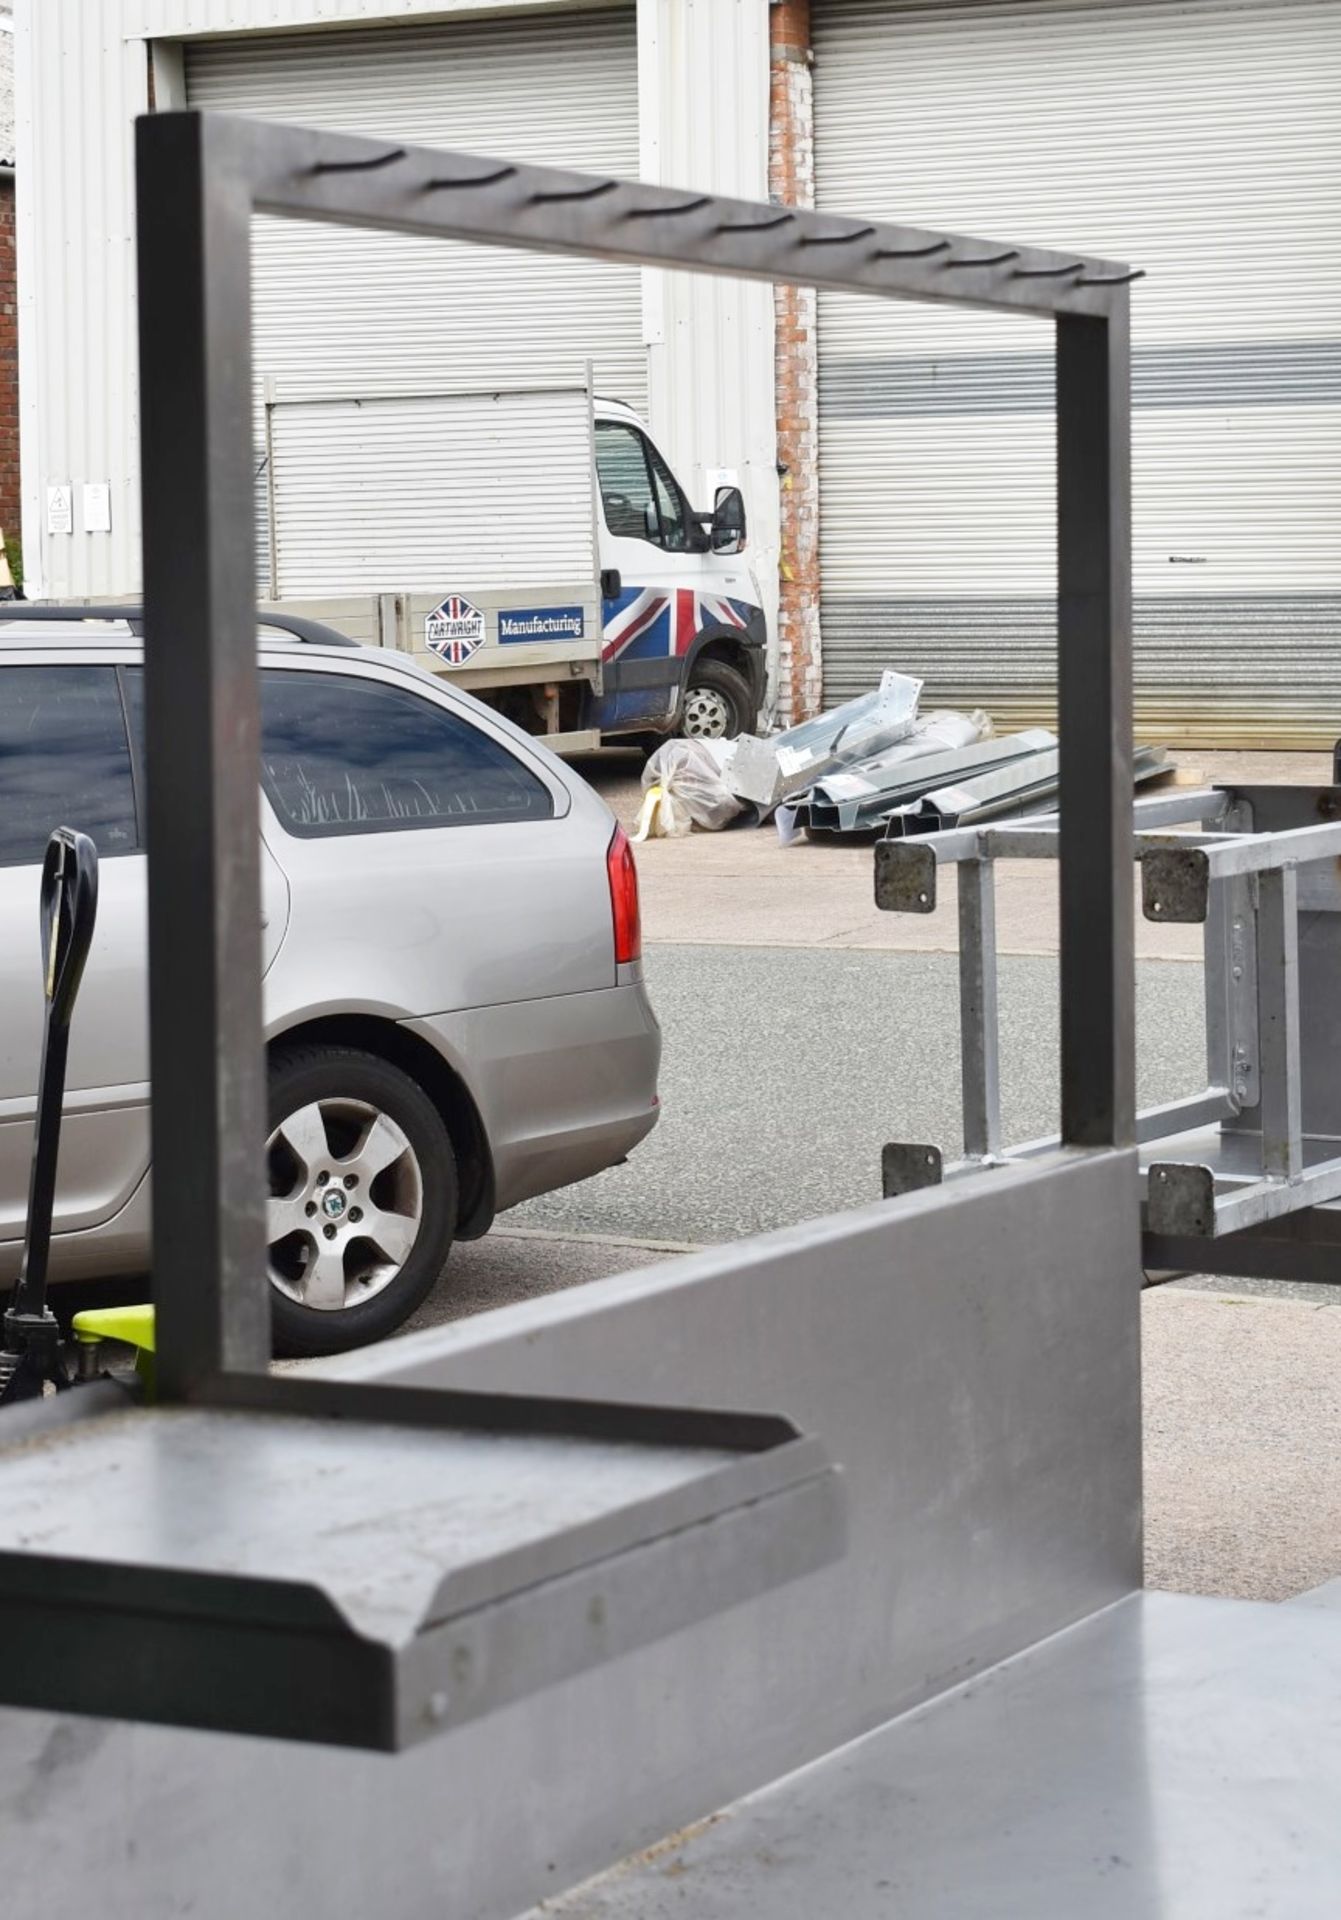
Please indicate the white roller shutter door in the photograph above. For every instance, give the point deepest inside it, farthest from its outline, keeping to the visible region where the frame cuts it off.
(1200, 140)
(343, 314)
(486, 491)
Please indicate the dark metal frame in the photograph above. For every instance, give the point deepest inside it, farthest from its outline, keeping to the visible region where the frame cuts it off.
(200, 180)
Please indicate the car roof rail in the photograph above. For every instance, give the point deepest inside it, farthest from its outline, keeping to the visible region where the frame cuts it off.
(312, 633)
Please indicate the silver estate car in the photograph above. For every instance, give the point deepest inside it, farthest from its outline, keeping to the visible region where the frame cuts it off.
(454, 1003)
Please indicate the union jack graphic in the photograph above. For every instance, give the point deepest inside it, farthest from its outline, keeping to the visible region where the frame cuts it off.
(454, 630)
(646, 623)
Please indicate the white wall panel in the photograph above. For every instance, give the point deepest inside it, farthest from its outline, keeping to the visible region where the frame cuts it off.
(78, 87)
(704, 116)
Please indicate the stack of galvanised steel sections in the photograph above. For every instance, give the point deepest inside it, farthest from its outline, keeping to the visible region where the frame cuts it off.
(860, 798)
(894, 794)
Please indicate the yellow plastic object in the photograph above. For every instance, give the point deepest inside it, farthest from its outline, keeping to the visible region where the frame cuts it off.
(134, 1325)
(662, 817)
(647, 826)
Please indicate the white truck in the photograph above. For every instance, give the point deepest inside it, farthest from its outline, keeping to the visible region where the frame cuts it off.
(532, 545)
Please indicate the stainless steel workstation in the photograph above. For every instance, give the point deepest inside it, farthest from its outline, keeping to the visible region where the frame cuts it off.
(828, 1543)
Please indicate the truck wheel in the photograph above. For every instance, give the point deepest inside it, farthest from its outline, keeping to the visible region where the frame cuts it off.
(363, 1195)
(717, 703)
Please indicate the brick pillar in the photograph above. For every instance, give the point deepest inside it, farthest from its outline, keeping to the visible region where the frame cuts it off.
(791, 179)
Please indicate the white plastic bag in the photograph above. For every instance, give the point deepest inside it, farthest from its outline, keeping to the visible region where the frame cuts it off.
(944, 729)
(684, 788)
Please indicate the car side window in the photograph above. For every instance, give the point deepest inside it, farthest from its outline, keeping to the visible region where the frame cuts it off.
(638, 492)
(342, 754)
(64, 761)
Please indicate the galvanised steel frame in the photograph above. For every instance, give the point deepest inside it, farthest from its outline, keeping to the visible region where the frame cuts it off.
(1258, 1143)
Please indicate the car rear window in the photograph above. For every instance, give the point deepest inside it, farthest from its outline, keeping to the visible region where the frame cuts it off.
(64, 761)
(344, 754)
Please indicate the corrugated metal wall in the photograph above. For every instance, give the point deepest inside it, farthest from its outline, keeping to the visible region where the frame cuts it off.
(1200, 141)
(76, 93)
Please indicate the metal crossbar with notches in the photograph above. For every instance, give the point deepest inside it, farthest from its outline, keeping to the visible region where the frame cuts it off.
(1262, 1139)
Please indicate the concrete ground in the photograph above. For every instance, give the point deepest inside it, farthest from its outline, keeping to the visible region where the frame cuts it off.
(803, 1029)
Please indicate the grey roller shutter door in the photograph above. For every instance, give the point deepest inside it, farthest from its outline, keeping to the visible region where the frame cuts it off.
(1201, 141)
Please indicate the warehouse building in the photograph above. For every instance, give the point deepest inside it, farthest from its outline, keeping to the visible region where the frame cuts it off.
(897, 461)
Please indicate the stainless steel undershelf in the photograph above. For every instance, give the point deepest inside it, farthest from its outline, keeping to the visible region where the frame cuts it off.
(1170, 1759)
(365, 1582)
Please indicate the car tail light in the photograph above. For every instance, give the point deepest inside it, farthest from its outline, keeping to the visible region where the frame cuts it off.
(619, 864)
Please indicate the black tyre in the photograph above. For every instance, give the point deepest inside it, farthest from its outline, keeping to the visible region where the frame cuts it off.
(363, 1198)
(718, 703)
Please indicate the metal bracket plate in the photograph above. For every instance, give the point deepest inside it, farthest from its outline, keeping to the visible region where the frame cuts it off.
(905, 877)
(908, 1168)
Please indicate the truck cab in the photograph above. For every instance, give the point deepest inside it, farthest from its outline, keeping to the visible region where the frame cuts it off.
(682, 630)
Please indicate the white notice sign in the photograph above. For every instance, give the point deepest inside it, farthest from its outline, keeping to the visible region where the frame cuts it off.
(60, 508)
(97, 506)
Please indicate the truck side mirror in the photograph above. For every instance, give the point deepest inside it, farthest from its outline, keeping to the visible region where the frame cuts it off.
(728, 520)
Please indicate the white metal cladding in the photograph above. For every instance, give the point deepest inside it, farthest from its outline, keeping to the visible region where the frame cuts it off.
(341, 313)
(1201, 141)
(75, 94)
(441, 493)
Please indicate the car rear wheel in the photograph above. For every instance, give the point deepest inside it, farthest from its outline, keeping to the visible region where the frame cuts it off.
(363, 1198)
(717, 702)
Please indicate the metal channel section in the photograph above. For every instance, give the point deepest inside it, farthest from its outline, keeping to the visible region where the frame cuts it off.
(1260, 1143)
(977, 1372)
(862, 797)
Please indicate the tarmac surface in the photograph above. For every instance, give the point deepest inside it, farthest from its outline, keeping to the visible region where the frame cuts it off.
(786, 1069)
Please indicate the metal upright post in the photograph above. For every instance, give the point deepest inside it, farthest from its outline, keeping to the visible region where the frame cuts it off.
(1094, 702)
(1278, 1002)
(203, 755)
(978, 1031)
